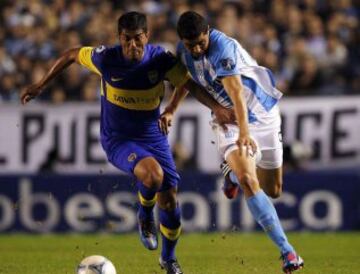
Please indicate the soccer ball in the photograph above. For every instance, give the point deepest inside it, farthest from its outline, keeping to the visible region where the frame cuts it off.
(95, 265)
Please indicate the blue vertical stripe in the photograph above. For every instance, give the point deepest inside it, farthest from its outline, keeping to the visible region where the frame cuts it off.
(271, 76)
(191, 67)
(251, 116)
(218, 87)
(208, 77)
(264, 99)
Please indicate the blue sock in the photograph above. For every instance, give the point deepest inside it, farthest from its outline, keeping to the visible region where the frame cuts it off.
(170, 228)
(147, 201)
(265, 214)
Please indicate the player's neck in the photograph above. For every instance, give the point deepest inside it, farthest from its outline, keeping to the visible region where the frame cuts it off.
(133, 61)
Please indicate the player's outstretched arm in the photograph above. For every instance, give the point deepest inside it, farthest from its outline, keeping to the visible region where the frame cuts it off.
(67, 58)
(233, 86)
(166, 117)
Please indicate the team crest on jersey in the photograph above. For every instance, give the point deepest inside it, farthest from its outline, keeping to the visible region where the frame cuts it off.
(153, 76)
(227, 64)
(132, 157)
(100, 49)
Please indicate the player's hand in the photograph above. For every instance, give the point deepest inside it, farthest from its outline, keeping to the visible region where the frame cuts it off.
(165, 121)
(30, 92)
(246, 144)
(224, 116)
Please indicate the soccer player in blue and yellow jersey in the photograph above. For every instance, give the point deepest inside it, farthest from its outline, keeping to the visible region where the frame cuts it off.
(132, 86)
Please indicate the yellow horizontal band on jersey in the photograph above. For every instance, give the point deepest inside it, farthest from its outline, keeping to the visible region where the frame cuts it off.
(178, 75)
(145, 202)
(171, 234)
(84, 57)
(145, 99)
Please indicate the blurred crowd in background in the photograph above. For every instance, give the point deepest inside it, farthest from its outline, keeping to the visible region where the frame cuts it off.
(312, 46)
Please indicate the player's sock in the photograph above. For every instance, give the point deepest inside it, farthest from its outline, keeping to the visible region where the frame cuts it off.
(265, 214)
(170, 228)
(147, 200)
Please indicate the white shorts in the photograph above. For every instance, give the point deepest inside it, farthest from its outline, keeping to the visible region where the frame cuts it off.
(268, 140)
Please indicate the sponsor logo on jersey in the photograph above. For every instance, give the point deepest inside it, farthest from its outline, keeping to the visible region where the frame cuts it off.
(116, 79)
(100, 49)
(227, 64)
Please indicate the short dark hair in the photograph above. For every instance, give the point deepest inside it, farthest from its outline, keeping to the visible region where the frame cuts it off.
(132, 21)
(191, 25)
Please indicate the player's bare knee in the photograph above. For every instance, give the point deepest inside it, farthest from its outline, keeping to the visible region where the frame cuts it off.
(153, 178)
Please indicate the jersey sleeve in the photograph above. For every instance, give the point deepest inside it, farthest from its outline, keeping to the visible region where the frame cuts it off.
(91, 58)
(178, 74)
(227, 61)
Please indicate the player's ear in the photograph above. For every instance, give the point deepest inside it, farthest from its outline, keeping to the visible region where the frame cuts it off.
(147, 34)
(119, 35)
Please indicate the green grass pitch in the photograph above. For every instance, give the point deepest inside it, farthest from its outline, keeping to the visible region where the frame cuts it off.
(213, 253)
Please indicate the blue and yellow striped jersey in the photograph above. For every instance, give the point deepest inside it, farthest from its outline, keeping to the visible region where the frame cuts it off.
(131, 92)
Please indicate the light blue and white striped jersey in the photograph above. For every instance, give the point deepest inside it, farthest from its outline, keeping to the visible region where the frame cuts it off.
(226, 57)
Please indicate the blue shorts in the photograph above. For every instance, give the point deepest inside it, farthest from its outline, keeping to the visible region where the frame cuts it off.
(126, 154)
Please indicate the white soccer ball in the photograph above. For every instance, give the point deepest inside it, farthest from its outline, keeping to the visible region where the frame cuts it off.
(95, 265)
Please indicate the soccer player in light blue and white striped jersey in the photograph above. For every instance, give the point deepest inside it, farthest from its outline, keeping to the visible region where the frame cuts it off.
(252, 148)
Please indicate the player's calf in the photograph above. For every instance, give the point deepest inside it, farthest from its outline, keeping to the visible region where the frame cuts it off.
(249, 184)
(170, 228)
(270, 181)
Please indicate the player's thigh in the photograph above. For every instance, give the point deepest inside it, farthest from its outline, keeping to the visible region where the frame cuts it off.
(163, 156)
(143, 160)
(127, 155)
(269, 171)
(226, 140)
(226, 145)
